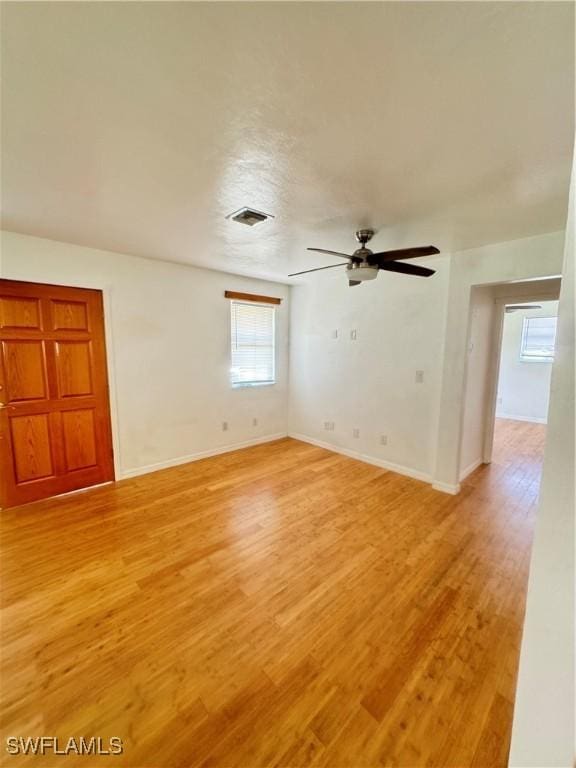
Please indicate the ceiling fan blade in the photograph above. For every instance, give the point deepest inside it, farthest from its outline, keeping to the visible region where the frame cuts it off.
(407, 269)
(305, 272)
(330, 253)
(403, 253)
(518, 307)
(354, 282)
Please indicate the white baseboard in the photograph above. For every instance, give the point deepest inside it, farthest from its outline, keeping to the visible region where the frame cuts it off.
(398, 468)
(513, 417)
(447, 488)
(366, 458)
(470, 468)
(124, 474)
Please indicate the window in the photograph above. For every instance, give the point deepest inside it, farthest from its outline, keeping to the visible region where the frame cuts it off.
(252, 344)
(538, 339)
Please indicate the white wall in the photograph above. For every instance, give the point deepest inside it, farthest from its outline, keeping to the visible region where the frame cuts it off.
(523, 387)
(528, 258)
(477, 387)
(543, 729)
(167, 332)
(369, 383)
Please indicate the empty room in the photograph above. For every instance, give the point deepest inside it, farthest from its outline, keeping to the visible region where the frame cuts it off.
(287, 384)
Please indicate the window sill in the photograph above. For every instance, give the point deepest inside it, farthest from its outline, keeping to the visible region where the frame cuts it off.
(536, 360)
(250, 385)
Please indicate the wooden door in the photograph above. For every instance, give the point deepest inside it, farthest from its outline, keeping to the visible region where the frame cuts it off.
(54, 409)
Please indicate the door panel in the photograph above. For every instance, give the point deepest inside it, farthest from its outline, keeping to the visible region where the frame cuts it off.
(79, 439)
(16, 312)
(25, 367)
(70, 315)
(31, 441)
(55, 431)
(74, 368)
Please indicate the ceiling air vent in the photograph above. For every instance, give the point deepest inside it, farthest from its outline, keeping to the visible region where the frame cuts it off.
(249, 216)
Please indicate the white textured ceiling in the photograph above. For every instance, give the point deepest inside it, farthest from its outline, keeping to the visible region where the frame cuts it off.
(136, 127)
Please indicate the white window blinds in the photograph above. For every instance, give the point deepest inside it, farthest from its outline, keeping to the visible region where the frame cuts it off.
(252, 344)
(538, 339)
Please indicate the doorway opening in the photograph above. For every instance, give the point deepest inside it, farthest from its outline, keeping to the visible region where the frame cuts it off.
(523, 388)
(511, 336)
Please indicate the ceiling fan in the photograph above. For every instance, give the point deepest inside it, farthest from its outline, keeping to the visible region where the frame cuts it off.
(363, 264)
(518, 307)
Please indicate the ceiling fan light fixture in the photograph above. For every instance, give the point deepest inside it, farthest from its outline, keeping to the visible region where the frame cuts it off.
(362, 271)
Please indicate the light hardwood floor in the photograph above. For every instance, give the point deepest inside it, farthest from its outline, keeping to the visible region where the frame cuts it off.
(277, 606)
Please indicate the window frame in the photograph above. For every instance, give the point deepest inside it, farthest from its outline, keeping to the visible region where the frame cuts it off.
(251, 384)
(526, 357)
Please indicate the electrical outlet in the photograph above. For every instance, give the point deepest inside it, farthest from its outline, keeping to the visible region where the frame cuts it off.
(499, 401)
(254, 422)
(419, 377)
(329, 426)
(355, 433)
(383, 439)
(224, 426)
(353, 335)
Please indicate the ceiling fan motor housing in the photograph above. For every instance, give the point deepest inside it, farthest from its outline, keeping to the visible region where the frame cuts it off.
(361, 254)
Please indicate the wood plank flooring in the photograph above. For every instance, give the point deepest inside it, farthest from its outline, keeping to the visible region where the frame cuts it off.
(276, 606)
